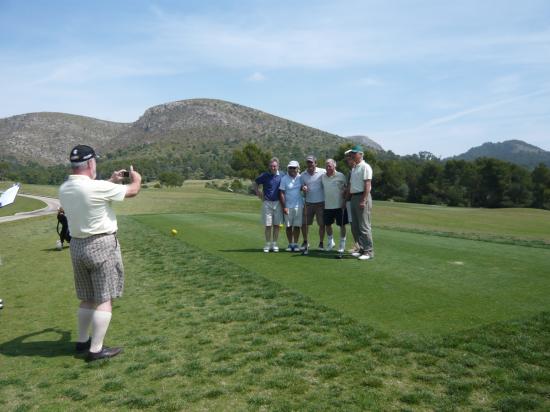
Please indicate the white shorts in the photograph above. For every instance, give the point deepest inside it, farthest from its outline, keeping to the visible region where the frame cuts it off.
(272, 213)
(294, 217)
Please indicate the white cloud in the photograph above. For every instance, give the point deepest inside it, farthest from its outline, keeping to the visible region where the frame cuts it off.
(369, 82)
(256, 77)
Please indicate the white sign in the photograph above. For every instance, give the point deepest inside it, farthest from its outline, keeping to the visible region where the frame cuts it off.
(8, 196)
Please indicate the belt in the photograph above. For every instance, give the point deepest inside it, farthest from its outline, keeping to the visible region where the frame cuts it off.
(358, 193)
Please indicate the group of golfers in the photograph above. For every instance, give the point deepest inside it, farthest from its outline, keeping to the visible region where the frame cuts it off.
(95, 249)
(295, 198)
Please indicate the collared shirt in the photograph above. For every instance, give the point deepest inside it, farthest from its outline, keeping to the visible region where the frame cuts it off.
(292, 186)
(87, 205)
(270, 183)
(333, 186)
(359, 174)
(315, 192)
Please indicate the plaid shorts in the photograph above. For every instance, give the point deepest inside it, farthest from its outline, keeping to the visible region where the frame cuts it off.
(97, 267)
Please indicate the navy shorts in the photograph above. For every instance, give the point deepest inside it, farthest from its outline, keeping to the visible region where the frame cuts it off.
(335, 215)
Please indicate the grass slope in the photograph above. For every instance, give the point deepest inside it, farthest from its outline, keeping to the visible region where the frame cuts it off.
(203, 333)
(417, 283)
(21, 204)
(210, 323)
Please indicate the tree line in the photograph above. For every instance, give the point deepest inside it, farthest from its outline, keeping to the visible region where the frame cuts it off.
(419, 178)
(424, 178)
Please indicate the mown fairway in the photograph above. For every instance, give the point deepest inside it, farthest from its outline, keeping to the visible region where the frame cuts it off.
(209, 322)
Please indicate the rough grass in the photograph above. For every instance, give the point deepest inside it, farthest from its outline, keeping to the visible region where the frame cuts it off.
(202, 333)
(21, 204)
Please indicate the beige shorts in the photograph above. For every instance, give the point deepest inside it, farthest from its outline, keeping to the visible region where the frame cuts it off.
(294, 217)
(314, 209)
(272, 213)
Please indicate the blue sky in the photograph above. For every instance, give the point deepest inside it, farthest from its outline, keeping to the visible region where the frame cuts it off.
(435, 75)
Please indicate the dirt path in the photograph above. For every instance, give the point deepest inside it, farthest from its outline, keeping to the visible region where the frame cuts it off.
(51, 207)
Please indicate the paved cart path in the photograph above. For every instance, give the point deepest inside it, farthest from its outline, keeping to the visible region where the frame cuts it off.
(52, 205)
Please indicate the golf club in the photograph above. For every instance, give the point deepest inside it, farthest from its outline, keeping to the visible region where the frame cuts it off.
(340, 254)
(305, 252)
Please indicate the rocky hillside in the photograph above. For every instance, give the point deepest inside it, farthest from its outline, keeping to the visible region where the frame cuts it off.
(365, 141)
(197, 125)
(47, 138)
(514, 151)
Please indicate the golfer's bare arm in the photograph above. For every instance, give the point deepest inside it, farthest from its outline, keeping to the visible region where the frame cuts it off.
(133, 188)
(366, 192)
(257, 191)
(282, 200)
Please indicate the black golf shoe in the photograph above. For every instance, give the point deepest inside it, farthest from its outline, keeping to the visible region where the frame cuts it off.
(104, 353)
(83, 347)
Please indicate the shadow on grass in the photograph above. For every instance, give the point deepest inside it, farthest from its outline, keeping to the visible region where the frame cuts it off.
(44, 348)
(312, 254)
(249, 250)
(54, 249)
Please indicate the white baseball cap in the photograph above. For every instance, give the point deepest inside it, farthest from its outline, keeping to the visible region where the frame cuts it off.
(293, 163)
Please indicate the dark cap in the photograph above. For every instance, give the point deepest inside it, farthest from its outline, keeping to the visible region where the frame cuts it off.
(357, 149)
(311, 158)
(81, 153)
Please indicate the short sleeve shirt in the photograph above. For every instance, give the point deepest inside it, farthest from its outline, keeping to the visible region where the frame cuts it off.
(315, 192)
(333, 187)
(88, 205)
(270, 183)
(359, 174)
(292, 186)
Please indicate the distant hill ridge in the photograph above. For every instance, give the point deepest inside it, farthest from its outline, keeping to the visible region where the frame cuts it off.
(366, 142)
(195, 124)
(514, 151)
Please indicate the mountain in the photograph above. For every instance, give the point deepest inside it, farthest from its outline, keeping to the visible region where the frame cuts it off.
(193, 127)
(47, 138)
(365, 141)
(514, 151)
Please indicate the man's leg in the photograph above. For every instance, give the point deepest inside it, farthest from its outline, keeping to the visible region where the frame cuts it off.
(295, 235)
(305, 224)
(268, 234)
(100, 319)
(342, 220)
(84, 314)
(343, 232)
(289, 234)
(320, 221)
(275, 233)
(366, 230)
(355, 219)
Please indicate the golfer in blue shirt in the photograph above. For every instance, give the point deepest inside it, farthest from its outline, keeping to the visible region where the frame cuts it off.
(272, 215)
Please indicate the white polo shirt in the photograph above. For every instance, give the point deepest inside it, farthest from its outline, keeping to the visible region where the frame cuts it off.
(315, 188)
(359, 174)
(333, 186)
(87, 205)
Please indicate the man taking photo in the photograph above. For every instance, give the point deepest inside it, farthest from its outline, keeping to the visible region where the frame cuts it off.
(95, 249)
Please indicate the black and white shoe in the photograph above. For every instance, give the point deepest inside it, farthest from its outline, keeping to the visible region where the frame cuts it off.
(104, 353)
